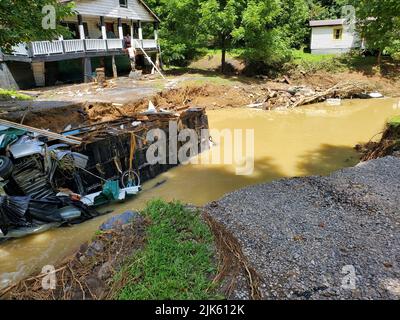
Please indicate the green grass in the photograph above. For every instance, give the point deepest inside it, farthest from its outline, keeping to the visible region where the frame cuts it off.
(13, 95)
(313, 62)
(177, 261)
(395, 121)
(299, 56)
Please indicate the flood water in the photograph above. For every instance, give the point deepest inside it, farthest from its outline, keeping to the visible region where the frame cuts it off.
(312, 140)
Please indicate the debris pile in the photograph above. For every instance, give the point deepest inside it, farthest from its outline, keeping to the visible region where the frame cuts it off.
(293, 97)
(92, 165)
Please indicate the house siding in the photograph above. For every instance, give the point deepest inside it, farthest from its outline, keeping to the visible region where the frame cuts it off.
(112, 9)
(322, 40)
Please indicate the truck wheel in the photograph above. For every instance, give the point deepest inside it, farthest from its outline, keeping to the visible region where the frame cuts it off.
(6, 167)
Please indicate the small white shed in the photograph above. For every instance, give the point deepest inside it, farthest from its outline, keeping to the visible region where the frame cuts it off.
(332, 36)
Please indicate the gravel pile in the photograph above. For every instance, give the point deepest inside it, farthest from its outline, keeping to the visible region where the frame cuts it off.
(335, 237)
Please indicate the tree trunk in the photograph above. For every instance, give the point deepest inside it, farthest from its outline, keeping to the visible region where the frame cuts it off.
(379, 57)
(223, 59)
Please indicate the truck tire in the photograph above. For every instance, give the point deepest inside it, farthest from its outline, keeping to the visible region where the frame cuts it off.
(6, 167)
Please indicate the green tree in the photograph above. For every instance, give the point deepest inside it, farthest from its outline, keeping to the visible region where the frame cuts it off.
(294, 19)
(263, 39)
(379, 24)
(180, 35)
(21, 21)
(218, 20)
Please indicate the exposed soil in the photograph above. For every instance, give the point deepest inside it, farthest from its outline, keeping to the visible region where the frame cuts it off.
(88, 274)
(177, 97)
(387, 146)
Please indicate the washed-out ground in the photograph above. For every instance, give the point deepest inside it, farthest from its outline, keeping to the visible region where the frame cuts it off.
(335, 237)
(67, 105)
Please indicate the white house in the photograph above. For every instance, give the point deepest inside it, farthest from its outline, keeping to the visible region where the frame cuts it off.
(99, 29)
(332, 36)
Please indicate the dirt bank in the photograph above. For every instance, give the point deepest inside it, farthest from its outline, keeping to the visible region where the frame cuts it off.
(189, 90)
(101, 268)
(388, 145)
(88, 274)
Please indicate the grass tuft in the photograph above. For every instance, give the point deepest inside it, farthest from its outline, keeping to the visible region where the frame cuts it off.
(12, 95)
(177, 261)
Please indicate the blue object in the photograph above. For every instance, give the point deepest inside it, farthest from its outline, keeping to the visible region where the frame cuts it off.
(120, 220)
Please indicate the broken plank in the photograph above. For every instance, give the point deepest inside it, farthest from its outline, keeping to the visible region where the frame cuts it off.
(49, 134)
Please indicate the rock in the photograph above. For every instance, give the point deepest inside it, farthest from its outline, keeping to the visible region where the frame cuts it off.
(96, 287)
(119, 221)
(105, 271)
(97, 246)
(135, 75)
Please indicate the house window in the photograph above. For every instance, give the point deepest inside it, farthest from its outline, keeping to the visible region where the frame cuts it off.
(123, 3)
(337, 33)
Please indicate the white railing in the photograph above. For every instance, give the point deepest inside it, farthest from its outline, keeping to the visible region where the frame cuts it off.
(47, 47)
(115, 44)
(95, 44)
(74, 46)
(20, 50)
(41, 48)
(149, 44)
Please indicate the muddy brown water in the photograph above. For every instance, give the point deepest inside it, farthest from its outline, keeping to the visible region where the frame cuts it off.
(312, 140)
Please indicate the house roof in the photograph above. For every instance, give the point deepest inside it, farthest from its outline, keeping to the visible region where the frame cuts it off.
(325, 23)
(141, 1)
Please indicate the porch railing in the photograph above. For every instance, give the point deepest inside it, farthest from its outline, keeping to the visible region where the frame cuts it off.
(146, 44)
(115, 44)
(74, 46)
(95, 45)
(45, 48)
(20, 50)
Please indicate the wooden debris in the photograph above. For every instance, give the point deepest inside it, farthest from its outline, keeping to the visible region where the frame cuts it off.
(302, 95)
(48, 134)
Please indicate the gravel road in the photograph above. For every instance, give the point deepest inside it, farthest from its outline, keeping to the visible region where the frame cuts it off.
(335, 237)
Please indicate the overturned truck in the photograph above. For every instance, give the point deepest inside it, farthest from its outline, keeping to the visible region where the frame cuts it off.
(52, 179)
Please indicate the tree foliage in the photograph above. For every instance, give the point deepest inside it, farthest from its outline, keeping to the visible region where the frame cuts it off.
(379, 24)
(21, 21)
(180, 33)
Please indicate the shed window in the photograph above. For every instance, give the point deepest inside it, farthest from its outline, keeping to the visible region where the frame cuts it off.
(337, 33)
(123, 3)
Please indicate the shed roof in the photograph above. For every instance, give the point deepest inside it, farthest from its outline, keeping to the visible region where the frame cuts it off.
(325, 23)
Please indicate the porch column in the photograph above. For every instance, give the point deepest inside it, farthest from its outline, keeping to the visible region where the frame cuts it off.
(140, 30)
(38, 69)
(132, 30)
(156, 31)
(81, 28)
(87, 70)
(103, 28)
(120, 30)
